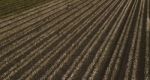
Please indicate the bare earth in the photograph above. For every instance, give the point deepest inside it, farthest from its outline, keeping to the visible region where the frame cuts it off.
(77, 40)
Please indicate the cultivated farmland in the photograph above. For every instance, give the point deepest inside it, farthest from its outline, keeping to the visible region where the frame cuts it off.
(75, 40)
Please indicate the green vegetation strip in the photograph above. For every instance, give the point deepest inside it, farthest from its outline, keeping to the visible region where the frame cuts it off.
(10, 7)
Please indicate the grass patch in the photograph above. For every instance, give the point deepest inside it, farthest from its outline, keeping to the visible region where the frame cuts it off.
(11, 7)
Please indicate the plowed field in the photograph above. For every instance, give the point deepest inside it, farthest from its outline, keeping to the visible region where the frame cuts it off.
(76, 40)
